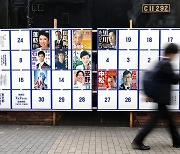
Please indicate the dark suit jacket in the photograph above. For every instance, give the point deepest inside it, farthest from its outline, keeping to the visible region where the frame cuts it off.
(60, 66)
(44, 66)
(166, 77)
(122, 86)
(59, 44)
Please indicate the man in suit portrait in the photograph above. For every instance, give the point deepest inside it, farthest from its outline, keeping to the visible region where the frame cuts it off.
(111, 82)
(42, 64)
(60, 64)
(58, 41)
(127, 80)
(112, 39)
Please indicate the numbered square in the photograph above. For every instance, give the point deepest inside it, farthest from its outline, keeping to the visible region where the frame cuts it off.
(41, 99)
(21, 80)
(107, 59)
(61, 80)
(169, 36)
(146, 103)
(61, 99)
(127, 59)
(148, 59)
(128, 100)
(128, 39)
(107, 100)
(20, 60)
(82, 99)
(149, 39)
(20, 40)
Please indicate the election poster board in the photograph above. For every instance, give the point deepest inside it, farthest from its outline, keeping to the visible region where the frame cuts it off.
(51, 69)
(46, 69)
(123, 56)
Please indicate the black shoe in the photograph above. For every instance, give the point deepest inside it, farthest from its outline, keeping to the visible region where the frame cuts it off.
(139, 146)
(176, 145)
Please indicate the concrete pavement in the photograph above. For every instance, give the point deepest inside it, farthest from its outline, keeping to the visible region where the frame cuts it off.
(30, 139)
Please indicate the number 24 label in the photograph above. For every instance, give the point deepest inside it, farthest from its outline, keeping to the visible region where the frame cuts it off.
(19, 40)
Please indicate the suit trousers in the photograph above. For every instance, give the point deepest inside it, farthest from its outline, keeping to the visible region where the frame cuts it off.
(164, 113)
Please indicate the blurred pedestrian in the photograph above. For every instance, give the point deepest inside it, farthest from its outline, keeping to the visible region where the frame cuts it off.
(166, 77)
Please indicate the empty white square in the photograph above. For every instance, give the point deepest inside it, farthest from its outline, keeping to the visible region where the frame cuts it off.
(61, 99)
(82, 99)
(107, 99)
(107, 59)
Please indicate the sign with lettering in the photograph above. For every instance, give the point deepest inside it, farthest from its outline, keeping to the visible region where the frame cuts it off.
(156, 8)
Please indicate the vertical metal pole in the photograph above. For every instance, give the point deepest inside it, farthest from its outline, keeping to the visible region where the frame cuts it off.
(54, 112)
(131, 113)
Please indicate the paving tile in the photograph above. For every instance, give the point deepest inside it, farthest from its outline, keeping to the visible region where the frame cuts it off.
(79, 140)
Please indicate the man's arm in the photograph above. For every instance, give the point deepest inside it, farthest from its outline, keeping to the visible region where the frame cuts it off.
(169, 74)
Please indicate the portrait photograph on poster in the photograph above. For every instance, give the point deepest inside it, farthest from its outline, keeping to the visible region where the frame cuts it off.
(128, 79)
(40, 79)
(82, 59)
(60, 39)
(107, 79)
(40, 53)
(107, 39)
(82, 79)
(61, 60)
(82, 39)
